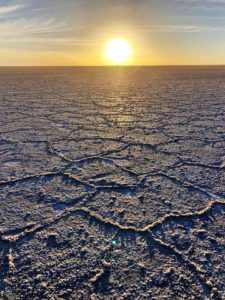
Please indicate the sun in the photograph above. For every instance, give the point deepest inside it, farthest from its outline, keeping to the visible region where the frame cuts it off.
(118, 51)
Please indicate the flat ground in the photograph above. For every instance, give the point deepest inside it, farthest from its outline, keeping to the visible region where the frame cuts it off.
(112, 183)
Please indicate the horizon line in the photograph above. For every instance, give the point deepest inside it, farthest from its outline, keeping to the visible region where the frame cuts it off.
(111, 66)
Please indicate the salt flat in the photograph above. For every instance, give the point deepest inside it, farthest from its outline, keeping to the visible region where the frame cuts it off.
(112, 183)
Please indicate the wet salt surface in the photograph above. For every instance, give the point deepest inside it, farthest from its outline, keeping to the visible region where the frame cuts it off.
(112, 183)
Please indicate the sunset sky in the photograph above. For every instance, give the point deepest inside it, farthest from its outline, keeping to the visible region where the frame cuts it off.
(75, 32)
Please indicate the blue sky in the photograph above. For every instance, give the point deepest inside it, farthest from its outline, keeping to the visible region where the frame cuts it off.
(74, 32)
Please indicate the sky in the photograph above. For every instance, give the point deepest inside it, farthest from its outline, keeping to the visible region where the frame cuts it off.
(75, 32)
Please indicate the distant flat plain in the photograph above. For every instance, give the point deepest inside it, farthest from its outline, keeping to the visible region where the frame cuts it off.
(112, 183)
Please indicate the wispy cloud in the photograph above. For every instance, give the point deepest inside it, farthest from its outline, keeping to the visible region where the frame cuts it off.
(10, 8)
(207, 4)
(182, 29)
(41, 33)
(34, 26)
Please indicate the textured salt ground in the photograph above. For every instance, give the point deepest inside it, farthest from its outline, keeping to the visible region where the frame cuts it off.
(202, 240)
(112, 183)
(88, 264)
(24, 159)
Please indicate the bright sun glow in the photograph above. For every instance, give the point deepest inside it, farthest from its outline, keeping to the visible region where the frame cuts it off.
(118, 51)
